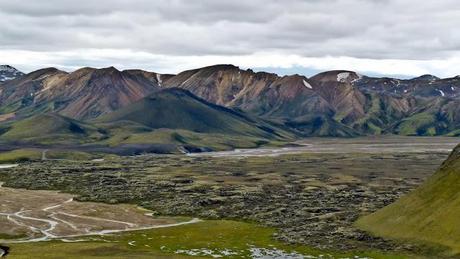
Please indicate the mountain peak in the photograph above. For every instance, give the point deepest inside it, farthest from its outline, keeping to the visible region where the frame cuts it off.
(8, 72)
(341, 76)
(109, 69)
(221, 66)
(426, 77)
(7, 68)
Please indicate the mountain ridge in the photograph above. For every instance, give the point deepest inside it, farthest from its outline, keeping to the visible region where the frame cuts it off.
(332, 103)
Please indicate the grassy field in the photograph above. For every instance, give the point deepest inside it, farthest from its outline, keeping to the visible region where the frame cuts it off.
(20, 155)
(66, 139)
(211, 141)
(36, 154)
(230, 239)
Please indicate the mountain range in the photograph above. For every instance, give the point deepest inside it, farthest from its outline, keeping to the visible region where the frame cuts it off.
(333, 103)
(224, 99)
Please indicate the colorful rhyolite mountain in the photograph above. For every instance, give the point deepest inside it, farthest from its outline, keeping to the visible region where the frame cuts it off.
(333, 103)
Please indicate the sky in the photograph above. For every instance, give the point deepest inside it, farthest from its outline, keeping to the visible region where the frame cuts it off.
(374, 37)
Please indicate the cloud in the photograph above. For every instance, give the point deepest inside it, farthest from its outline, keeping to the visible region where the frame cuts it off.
(413, 33)
(284, 64)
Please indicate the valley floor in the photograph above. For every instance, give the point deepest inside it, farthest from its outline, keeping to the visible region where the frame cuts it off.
(304, 199)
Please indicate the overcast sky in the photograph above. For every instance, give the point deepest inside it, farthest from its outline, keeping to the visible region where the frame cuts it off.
(393, 37)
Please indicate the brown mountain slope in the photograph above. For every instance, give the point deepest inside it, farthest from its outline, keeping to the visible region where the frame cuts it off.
(260, 93)
(336, 87)
(88, 92)
(291, 100)
(83, 94)
(222, 84)
(19, 92)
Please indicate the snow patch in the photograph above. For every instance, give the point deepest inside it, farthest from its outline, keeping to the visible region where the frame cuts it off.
(342, 77)
(159, 79)
(441, 92)
(8, 73)
(452, 88)
(4, 78)
(6, 68)
(306, 84)
(358, 78)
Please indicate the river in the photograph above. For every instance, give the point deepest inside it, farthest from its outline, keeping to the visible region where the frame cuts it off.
(386, 144)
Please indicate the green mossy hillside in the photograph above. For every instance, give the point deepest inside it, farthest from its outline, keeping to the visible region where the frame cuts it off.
(428, 215)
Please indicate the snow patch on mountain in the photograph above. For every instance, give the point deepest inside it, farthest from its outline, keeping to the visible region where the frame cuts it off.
(358, 78)
(6, 78)
(306, 84)
(342, 77)
(9, 73)
(441, 92)
(159, 80)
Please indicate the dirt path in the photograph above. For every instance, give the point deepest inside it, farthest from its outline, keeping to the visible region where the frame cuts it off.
(44, 154)
(6, 166)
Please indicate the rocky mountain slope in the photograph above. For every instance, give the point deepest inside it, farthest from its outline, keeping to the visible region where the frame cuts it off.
(83, 94)
(9, 73)
(333, 103)
(289, 99)
(428, 215)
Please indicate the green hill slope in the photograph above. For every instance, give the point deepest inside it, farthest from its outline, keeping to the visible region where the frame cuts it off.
(178, 109)
(49, 128)
(428, 215)
(172, 119)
